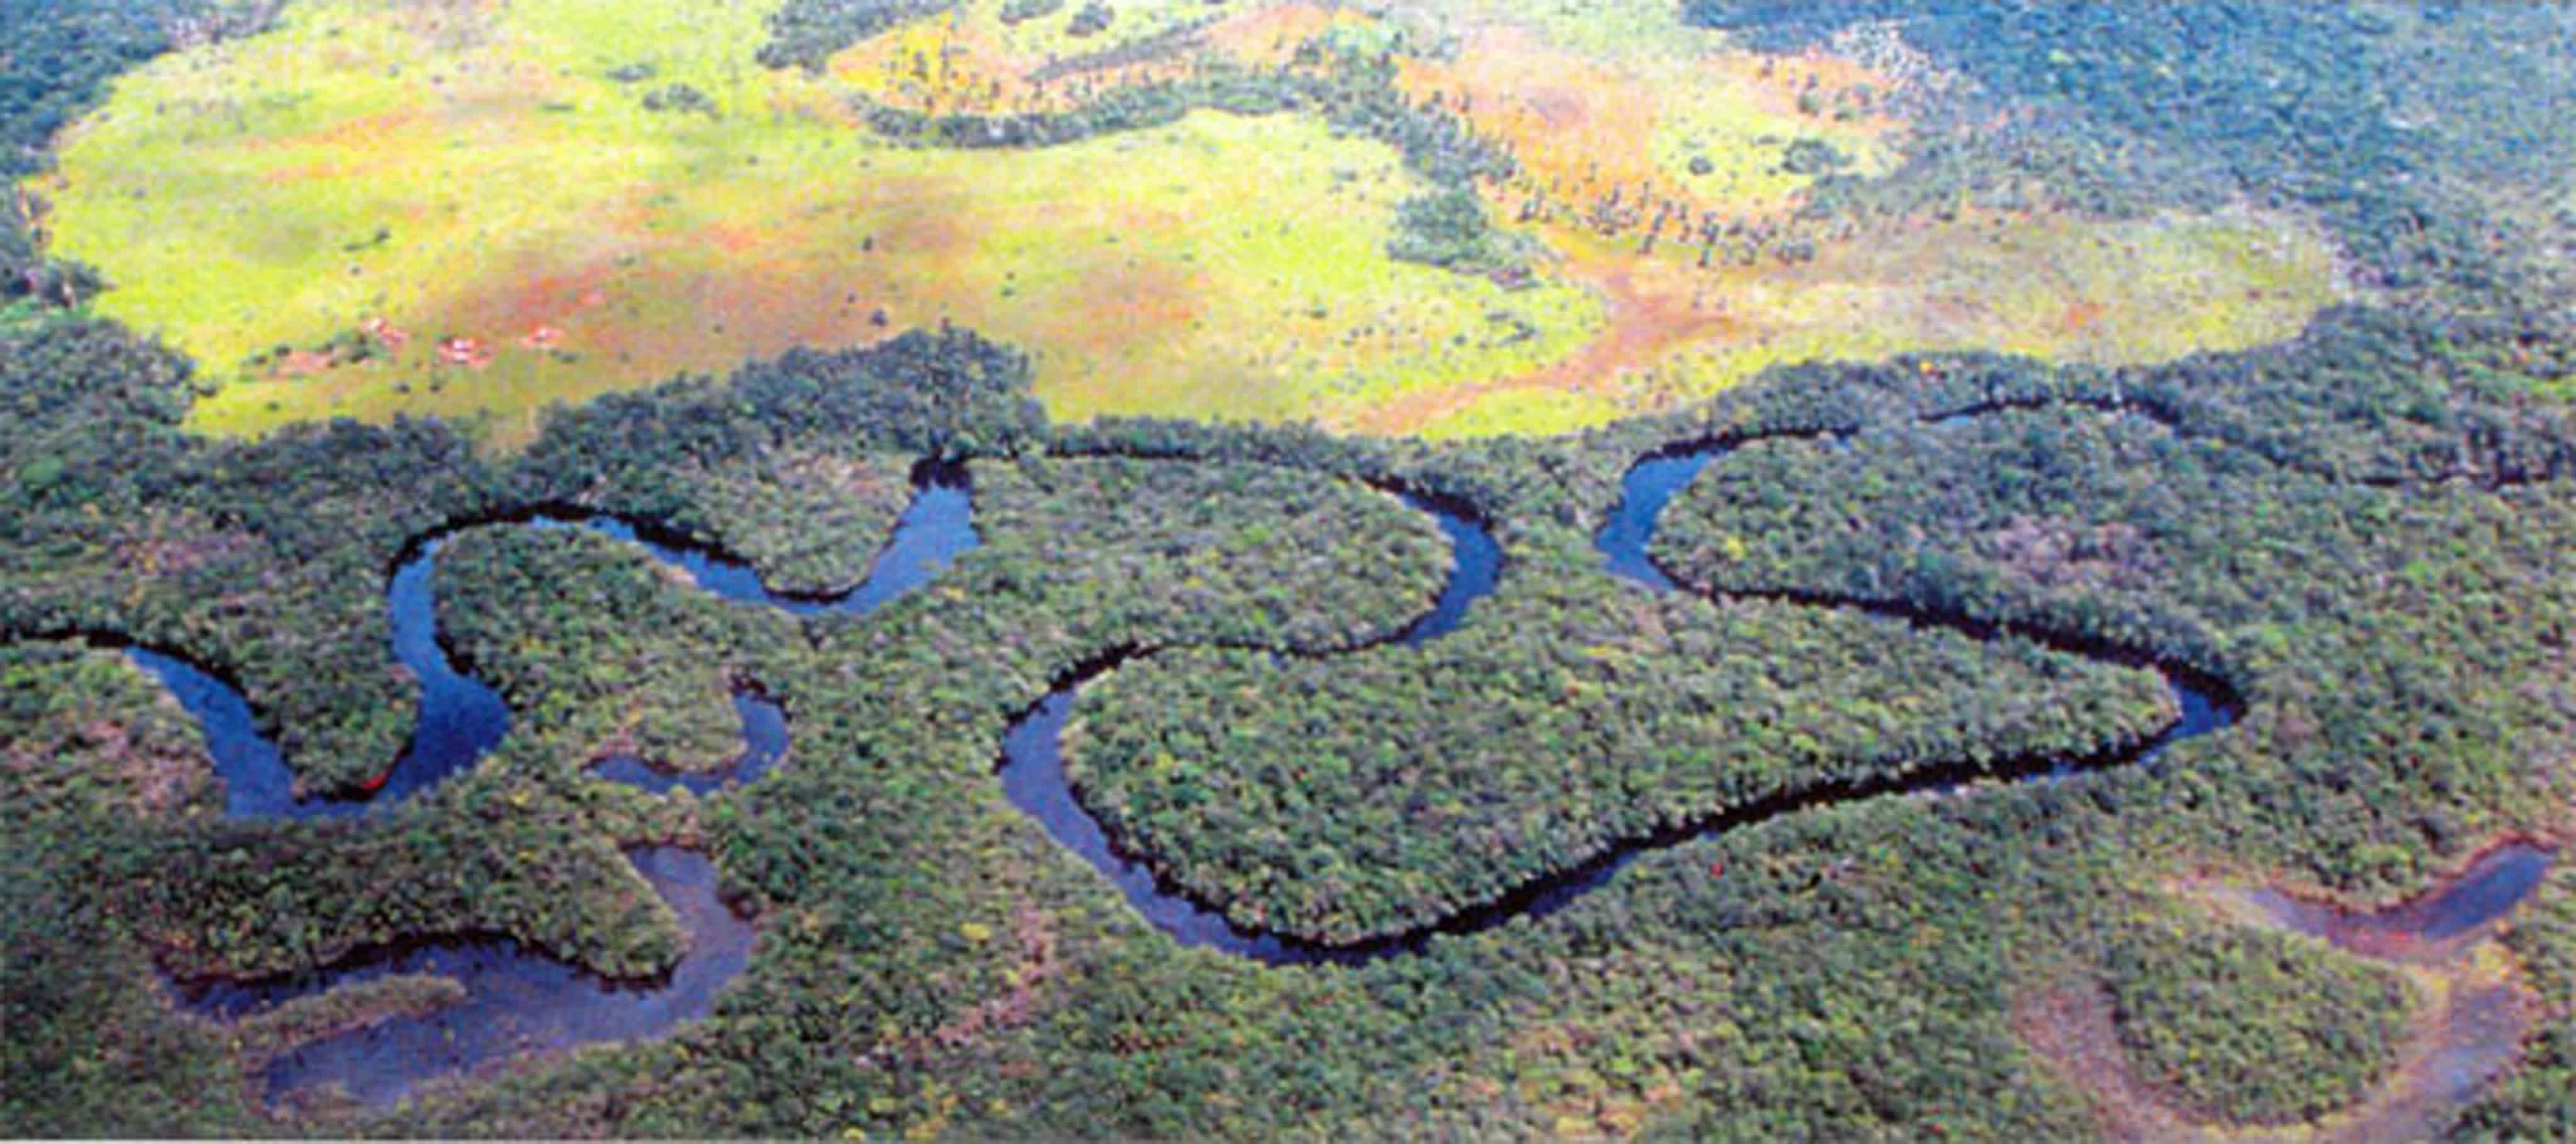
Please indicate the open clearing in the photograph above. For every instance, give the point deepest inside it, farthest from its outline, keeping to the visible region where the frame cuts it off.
(476, 210)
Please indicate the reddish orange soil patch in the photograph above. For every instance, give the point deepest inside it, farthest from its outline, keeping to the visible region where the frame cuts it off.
(1271, 36)
(1651, 307)
(1582, 127)
(302, 363)
(733, 238)
(1125, 306)
(368, 133)
(916, 217)
(2081, 315)
(1578, 126)
(350, 149)
(386, 334)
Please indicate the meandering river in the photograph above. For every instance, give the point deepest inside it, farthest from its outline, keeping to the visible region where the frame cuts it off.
(519, 1001)
(1032, 766)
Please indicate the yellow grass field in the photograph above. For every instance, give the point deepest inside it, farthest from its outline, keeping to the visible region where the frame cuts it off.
(478, 192)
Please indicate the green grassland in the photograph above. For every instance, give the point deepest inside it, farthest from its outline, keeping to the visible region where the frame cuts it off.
(1223, 266)
(598, 195)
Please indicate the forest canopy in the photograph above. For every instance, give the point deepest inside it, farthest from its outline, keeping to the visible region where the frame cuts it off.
(1152, 568)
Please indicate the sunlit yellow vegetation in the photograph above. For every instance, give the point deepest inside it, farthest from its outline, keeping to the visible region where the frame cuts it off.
(480, 176)
(1632, 129)
(1624, 98)
(478, 210)
(2056, 288)
(977, 58)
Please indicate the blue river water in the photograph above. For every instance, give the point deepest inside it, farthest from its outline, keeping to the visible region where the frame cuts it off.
(518, 1000)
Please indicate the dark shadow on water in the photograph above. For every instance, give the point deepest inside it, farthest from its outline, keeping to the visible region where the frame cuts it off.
(1649, 486)
(1033, 779)
(538, 1003)
(1032, 768)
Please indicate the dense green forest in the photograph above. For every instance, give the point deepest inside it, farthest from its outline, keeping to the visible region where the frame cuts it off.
(2077, 500)
(93, 758)
(2253, 1027)
(1357, 797)
(2363, 537)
